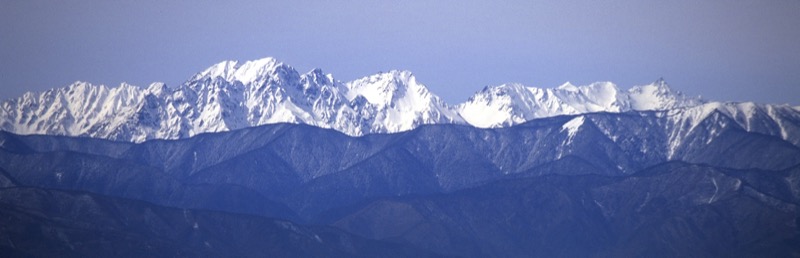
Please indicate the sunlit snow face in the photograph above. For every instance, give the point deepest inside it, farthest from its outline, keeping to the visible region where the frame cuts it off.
(232, 95)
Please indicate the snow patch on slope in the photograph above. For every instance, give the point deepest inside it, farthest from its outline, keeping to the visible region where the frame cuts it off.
(571, 127)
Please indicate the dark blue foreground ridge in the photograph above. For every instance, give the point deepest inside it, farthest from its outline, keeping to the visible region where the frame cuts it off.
(598, 184)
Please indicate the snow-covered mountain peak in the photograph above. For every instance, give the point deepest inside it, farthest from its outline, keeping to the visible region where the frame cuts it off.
(602, 96)
(317, 77)
(386, 87)
(399, 101)
(157, 89)
(507, 88)
(79, 88)
(126, 85)
(222, 69)
(659, 96)
(252, 71)
(231, 95)
(501, 105)
(596, 86)
(659, 87)
(77, 85)
(568, 86)
(247, 72)
(514, 103)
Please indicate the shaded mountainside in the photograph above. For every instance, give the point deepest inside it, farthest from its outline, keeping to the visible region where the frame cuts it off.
(310, 169)
(599, 184)
(670, 210)
(53, 223)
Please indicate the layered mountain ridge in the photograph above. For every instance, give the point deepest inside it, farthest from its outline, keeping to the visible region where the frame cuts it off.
(599, 184)
(232, 95)
(384, 167)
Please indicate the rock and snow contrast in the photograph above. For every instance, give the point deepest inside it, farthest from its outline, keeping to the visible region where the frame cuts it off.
(226, 96)
(232, 95)
(594, 157)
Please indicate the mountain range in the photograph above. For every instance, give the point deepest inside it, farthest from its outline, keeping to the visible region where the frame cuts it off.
(600, 184)
(232, 95)
(252, 159)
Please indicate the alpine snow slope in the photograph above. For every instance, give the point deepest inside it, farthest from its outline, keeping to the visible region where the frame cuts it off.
(232, 95)
(229, 95)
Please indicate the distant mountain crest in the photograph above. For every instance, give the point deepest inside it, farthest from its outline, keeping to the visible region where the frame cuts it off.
(245, 72)
(510, 104)
(232, 95)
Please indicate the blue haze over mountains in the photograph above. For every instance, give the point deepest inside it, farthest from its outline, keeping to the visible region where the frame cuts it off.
(591, 176)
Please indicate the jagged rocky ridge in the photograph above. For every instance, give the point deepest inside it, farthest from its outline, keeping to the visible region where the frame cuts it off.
(229, 95)
(232, 95)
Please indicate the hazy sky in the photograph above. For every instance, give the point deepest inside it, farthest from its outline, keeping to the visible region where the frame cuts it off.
(722, 50)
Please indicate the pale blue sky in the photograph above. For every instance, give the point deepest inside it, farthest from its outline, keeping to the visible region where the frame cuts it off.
(723, 50)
